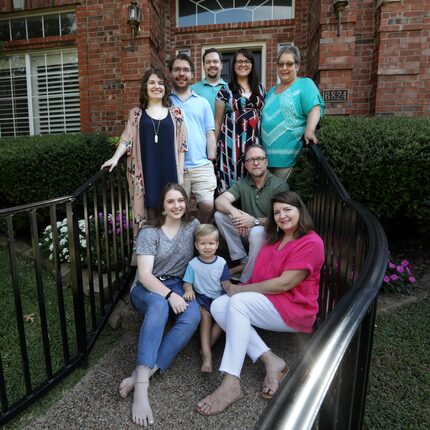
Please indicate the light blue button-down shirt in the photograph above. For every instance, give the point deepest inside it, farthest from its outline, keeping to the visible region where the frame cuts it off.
(199, 120)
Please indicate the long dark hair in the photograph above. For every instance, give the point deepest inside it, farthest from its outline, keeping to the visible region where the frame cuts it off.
(252, 77)
(160, 218)
(305, 224)
(144, 99)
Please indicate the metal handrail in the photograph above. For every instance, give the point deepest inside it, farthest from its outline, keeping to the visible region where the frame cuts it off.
(300, 397)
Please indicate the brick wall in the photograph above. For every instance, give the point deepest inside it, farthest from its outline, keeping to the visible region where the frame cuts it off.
(402, 78)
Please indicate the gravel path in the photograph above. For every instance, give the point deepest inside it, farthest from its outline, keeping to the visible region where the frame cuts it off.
(94, 403)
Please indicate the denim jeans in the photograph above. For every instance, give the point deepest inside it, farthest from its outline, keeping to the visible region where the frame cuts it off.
(154, 348)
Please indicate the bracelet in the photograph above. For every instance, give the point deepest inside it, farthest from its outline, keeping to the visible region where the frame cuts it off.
(168, 295)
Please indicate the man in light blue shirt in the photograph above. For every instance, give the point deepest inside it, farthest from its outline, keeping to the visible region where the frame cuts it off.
(199, 176)
(212, 83)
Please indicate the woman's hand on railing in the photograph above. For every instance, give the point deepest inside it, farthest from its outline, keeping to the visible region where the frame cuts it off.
(177, 303)
(111, 164)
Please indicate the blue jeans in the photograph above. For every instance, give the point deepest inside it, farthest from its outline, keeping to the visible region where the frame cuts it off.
(154, 349)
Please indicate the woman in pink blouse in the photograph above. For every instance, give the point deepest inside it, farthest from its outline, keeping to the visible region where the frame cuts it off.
(282, 295)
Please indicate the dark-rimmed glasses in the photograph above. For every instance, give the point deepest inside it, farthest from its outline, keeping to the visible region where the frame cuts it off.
(255, 159)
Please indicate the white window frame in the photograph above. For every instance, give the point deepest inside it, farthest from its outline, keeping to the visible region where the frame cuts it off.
(293, 10)
(31, 94)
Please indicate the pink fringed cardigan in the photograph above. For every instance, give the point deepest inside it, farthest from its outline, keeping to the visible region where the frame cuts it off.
(131, 139)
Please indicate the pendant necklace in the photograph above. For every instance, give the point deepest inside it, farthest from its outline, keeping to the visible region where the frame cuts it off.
(155, 130)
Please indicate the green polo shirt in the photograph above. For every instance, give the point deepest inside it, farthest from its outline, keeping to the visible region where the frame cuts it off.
(254, 201)
(208, 91)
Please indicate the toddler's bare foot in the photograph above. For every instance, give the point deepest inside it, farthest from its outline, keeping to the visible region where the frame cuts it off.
(207, 363)
(141, 410)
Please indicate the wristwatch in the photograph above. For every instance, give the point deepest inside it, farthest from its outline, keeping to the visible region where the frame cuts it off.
(257, 221)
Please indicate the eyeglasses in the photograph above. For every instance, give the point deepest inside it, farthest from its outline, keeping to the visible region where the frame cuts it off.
(255, 159)
(289, 64)
(243, 62)
(183, 69)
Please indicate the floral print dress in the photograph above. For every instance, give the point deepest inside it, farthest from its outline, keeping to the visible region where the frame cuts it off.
(240, 129)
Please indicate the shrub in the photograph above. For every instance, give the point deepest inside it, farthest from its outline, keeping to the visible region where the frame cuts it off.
(383, 163)
(35, 168)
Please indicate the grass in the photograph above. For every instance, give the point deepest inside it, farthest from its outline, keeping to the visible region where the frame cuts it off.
(9, 340)
(399, 386)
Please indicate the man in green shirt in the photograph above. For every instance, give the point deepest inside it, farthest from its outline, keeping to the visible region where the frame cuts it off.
(246, 219)
(212, 83)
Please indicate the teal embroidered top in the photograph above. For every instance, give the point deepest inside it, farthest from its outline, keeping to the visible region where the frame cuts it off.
(284, 119)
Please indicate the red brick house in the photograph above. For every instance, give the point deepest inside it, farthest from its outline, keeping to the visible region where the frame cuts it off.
(69, 65)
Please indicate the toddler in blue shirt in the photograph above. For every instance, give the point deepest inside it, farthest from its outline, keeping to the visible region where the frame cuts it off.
(206, 278)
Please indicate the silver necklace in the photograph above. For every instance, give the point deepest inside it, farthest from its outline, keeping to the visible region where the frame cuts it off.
(155, 130)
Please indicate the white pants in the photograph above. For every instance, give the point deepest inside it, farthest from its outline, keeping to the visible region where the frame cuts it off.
(236, 248)
(236, 315)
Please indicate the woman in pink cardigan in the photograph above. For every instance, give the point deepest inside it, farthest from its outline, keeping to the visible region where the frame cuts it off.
(281, 295)
(154, 140)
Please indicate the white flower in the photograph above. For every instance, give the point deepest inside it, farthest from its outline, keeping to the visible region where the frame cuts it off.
(63, 229)
(58, 224)
(51, 247)
(50, 236)
(83, 243)
(51, 257)
(63, 241)
(48, 228)
(65, 251)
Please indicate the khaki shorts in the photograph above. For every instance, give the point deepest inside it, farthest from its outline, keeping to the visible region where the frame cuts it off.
(200, 181)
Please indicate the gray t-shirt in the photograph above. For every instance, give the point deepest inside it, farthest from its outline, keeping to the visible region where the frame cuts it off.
(171, 255)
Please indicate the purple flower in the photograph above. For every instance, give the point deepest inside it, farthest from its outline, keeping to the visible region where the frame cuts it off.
(386, 279)
(408, 271)
(400, 269)
(391, 265)
(412, 280)
(394, 277)
(405, 263)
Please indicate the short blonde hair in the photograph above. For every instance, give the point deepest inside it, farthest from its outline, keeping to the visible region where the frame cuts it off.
(205, 230)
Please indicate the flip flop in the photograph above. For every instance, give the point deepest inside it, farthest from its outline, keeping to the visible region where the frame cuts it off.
(269, 396)
(217, 410)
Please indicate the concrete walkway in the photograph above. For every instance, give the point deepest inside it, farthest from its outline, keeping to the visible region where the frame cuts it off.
(94, 403)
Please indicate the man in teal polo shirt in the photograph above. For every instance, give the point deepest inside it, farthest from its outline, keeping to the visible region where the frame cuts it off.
(212, 83)
(253, 193)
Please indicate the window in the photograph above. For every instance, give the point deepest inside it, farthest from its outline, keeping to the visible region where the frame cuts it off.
(39, 93)
(204, 12)
(54, 24)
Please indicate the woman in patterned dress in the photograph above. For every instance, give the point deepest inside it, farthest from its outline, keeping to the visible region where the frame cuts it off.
(237, 118)
(290, 115)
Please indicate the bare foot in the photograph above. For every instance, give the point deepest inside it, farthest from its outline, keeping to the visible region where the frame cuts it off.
(225, 395)
(141, 410)
(127, 384)
(207, 363)
(276, 369)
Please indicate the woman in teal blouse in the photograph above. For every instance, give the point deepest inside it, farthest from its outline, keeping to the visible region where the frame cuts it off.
(291, 113)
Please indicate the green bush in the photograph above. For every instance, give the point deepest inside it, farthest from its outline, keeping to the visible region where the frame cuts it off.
(384, 163)
(37, 168)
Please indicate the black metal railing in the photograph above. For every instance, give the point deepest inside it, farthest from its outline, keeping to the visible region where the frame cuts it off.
(326, 389)
(78, 265)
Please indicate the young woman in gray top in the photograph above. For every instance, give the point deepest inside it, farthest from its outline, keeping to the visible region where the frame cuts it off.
(163, 252)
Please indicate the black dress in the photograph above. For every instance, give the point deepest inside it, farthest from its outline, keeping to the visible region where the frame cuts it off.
(158, 159)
